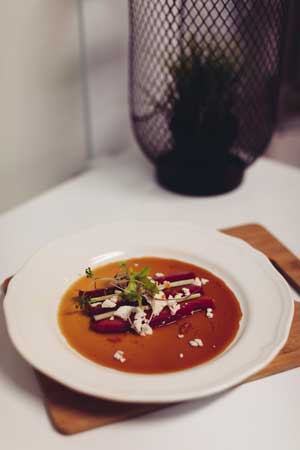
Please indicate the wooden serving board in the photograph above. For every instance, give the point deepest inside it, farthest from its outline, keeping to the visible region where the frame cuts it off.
(71, 412)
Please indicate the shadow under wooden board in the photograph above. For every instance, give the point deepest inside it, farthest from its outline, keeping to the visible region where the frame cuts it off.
(71, 412)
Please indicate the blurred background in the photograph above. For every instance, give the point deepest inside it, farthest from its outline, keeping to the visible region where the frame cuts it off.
(64, 97)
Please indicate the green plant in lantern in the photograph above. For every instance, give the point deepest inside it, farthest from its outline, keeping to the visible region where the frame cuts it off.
(202, 123)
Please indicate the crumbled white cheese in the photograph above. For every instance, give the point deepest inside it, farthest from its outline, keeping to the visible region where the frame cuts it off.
(204, 281)
(124, 312)
(159, 274)
(197, 282)
(109, 303)
(196, 343)
(179, 295)
(112, 318)
(119, 355)
(156, 305)
(209, 313)
(160, 295)
(146, 330)
(181, 355)
(180, 336)
(139, 320)
(186, 291)
(173, 306)
(170, 297)
(141, 323)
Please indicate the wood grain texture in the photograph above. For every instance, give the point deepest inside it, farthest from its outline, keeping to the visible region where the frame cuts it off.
(71, 412)
(282, 258)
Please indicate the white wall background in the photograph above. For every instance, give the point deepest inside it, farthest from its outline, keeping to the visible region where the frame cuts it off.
(106, 37)
(41, 129)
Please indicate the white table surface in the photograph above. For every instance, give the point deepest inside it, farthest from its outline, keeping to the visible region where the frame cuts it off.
(259, 415)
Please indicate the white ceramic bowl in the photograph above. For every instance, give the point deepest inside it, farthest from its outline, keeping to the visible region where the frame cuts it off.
(35, 292)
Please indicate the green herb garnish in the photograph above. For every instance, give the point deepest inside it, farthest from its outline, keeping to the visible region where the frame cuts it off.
(201, 100)
(138, 286)
(83, 300)
(89, 273)
(133, 285)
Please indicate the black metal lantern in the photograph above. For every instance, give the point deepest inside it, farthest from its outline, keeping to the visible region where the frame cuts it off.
(204, 84)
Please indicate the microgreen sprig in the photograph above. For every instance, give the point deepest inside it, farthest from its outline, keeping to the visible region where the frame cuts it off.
(139, 285)
(89, 273)
(133, 285)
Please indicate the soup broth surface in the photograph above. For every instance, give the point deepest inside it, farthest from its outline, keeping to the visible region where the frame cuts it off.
(163, 351)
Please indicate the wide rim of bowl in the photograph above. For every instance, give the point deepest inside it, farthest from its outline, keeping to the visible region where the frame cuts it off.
(262, 360)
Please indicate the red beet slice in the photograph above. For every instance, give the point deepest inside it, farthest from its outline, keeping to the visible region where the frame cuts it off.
(98, 292)
(175, 277)
(111, 290)
(110, 326)
(192, 287)
(119, 325)
(93, 310)
(186, 309)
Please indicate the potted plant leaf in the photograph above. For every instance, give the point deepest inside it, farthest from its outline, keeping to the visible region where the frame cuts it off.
(201, 121)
